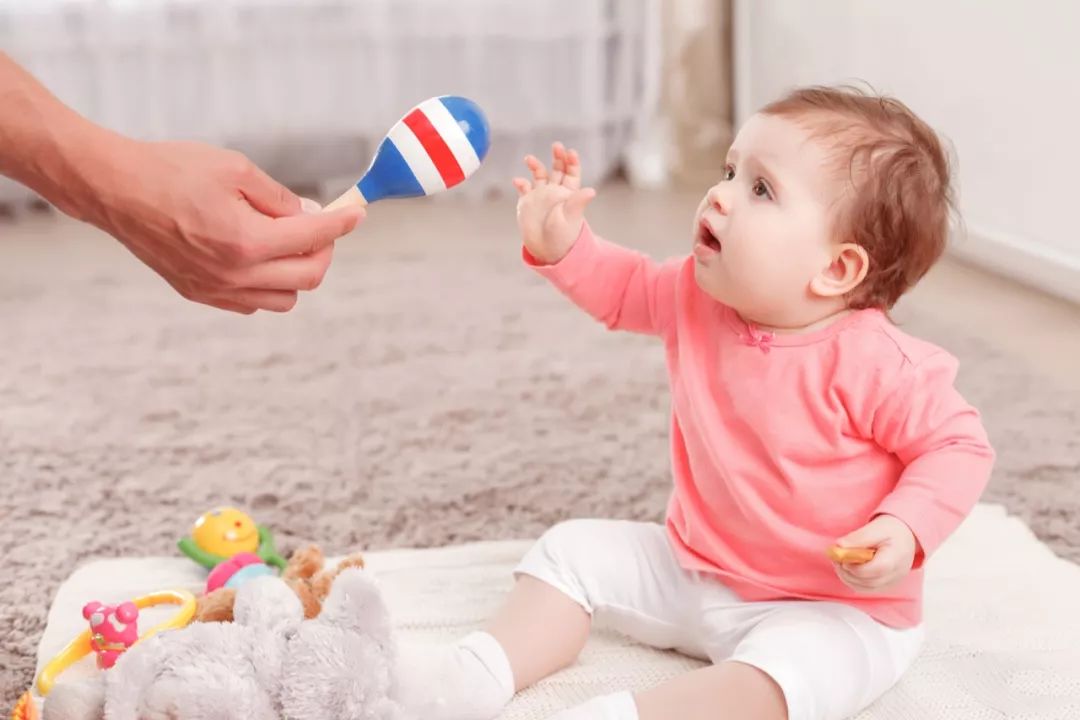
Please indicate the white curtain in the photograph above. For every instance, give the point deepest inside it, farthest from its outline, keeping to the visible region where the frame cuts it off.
(308, 89)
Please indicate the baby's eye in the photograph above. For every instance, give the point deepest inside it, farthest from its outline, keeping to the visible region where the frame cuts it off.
(761, 189)
(729, 172)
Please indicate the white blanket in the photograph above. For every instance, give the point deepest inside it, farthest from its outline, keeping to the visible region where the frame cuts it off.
(1002, 619)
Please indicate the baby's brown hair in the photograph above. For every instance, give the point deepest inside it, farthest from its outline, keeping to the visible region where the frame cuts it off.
(898, 197)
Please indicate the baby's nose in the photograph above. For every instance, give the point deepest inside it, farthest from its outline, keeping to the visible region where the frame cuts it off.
(717, 199)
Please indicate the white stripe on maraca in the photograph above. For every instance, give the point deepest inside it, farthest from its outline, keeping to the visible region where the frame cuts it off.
(452, 134)
(416, 158)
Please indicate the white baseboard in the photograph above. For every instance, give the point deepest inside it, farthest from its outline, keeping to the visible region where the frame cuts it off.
(1046, 269)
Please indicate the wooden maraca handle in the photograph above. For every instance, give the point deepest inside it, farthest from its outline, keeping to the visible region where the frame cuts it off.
(352, 196)
(852, 556)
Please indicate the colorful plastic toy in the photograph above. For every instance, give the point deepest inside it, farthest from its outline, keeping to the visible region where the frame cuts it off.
(25, 708)
(225, 532)
(114, 628)
(237, 570)
(435, 146)
(85, 642)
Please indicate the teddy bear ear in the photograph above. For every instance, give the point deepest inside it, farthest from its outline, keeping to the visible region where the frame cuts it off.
(356, 560)
(267, 603)
(304, 562)
(127, 612)
(90, 608)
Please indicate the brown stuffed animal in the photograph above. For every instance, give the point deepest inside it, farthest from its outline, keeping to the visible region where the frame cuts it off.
(304, 573)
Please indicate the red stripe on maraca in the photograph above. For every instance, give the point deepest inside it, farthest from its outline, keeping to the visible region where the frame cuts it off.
(436, 147)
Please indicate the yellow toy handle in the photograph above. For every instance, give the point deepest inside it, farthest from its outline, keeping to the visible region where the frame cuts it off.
(80, 647)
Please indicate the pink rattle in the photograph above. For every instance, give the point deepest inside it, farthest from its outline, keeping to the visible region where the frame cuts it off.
(113, 629)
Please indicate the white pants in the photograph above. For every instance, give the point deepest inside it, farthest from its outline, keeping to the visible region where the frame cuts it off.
(829, 659)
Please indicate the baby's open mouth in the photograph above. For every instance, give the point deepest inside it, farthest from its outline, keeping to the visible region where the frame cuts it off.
(707, 238)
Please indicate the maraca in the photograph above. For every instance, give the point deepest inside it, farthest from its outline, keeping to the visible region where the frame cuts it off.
(438, 143)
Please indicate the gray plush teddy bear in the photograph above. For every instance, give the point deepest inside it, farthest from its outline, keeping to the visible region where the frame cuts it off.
(270, 664)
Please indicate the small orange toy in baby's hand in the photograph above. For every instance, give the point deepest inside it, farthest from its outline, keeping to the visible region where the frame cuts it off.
(876, 556)
(850, 555)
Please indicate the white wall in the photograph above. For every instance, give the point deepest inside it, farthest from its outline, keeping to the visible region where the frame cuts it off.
(999, 79)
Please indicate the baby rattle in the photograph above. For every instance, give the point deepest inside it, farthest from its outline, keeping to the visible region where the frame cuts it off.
(435, 146)
(113, 629)
(225, 532)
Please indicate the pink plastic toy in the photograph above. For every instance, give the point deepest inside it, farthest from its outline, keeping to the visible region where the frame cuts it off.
(113, 629)
(237, 570)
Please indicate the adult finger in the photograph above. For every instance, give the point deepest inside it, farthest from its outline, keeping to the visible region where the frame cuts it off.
(294, 272)
(267, 195)
(272, 300)
(303, 234)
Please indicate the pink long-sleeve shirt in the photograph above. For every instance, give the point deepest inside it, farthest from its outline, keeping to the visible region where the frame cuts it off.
(781, 444)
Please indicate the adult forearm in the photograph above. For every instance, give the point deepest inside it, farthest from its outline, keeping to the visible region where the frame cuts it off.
(217, 228)
(46, 145)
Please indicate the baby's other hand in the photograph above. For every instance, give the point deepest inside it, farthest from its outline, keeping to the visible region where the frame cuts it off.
(551, 209)
(894, 554)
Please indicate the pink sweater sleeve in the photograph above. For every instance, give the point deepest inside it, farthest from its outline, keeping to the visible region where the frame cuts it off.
(941, 441)
(621, 288)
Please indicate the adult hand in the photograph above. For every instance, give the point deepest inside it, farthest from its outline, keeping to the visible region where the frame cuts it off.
(217, 228)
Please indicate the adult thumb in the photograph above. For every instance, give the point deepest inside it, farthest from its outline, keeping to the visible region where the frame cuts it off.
(268, 196)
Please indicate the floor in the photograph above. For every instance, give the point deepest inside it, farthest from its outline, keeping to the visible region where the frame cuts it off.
(432, 391)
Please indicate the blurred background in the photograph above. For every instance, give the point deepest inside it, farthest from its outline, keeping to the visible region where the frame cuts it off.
(433, 390)
(651, 88)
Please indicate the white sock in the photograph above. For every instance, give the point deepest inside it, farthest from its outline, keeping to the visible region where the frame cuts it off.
(468, 680)
(617, 706)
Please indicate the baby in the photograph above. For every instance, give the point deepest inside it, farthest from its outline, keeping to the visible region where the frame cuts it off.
(801, 418)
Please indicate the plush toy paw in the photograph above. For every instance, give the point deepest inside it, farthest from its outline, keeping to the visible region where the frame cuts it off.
(83, 700)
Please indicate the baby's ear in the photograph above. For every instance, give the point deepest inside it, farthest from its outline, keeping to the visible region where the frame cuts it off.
(848, 268)
(267, 603)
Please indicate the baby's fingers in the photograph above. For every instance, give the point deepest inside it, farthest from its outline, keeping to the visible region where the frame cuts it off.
(855, 583)
(523, 186)
(572, 178)
(872, 571)
(558, 163)
(539, 172)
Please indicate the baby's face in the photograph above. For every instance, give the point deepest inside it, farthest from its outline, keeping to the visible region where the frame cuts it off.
(763, 232)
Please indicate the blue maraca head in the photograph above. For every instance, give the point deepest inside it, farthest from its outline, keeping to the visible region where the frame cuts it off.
(437, 145)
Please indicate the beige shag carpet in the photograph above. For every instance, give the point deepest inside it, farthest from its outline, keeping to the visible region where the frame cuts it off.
(432, 391)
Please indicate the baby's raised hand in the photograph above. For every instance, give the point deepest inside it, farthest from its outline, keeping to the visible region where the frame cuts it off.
(894, 548)
(551, 209)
